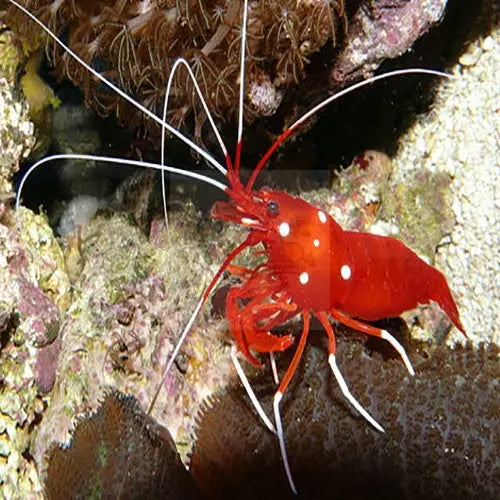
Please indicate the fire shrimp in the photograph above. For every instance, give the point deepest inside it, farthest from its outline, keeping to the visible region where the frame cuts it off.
(312, 267)
(315, 268)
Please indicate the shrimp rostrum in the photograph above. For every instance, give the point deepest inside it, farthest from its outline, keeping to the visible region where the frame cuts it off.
(311, 266)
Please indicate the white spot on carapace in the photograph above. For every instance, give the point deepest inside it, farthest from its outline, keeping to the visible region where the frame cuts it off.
(248, 222)
(316, 243)
(322, 216)
(284, 229)
(304, 278)
(345, 272)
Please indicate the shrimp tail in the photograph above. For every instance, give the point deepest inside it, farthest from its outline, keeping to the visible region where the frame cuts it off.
(441, 294)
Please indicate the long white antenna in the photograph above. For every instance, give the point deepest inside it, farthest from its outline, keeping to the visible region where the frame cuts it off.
(121, 93)
(289, 131)
(118, 161)
(369, 81)
(242, 70)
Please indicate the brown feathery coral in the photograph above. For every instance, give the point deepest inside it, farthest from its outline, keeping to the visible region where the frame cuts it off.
(441, 437)
(134, 44)
(118, 437)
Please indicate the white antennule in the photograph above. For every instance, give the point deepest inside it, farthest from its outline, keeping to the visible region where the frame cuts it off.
(210, 159)
(176, 350)
(109, 159)
(198, 307)
(175, 67)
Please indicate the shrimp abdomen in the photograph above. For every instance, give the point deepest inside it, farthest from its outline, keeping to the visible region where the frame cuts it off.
(387, 278)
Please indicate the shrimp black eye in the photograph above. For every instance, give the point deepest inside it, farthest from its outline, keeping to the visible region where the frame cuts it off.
(273, 209)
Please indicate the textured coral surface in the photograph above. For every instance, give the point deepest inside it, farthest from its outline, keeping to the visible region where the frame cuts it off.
(130, 303)
(34, 293)
(114, 439)
(442, 436)
(441, 440)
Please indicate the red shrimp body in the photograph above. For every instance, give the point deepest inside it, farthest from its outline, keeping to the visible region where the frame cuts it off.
(306, 249)
(387, 278)
(316, 266)
(363, 275)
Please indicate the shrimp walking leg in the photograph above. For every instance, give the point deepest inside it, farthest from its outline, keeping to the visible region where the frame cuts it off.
(248, 388)
(338, 376)
(376, 332)
(251, 324)
(281, 390)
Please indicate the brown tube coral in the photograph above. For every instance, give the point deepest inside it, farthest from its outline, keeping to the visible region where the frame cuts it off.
(135, 43)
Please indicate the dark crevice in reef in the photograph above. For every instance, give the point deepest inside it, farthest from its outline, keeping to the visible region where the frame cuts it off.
(377, 116)
(74, 129)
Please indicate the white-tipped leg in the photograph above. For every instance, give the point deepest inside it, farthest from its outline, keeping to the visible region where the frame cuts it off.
(387, 336)
(251, 394)
(281, 438)
(274, 368)
(349, 396)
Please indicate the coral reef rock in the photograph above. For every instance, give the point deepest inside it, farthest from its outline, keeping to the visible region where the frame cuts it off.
(16, 129)
(34, 293)
(384, 30)
(118, 452)
(131, 300)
